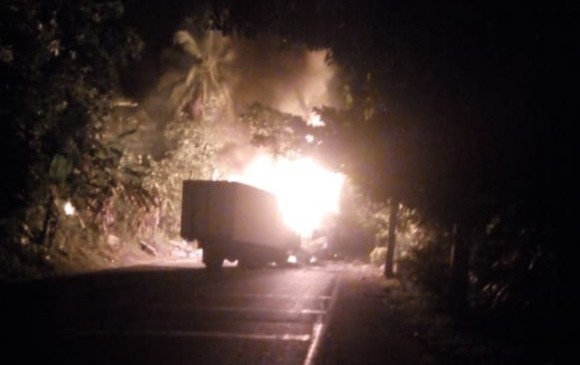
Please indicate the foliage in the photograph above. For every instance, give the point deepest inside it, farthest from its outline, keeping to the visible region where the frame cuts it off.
(378, 256)
(57, 101)
(76, 142)
(513, 277)
(198, 66)
(186, 114)
(513, 273)
(375, 216)
(427, 264)
(192, 156)
(281, 133)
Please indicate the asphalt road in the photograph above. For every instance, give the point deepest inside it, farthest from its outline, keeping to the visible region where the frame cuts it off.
(170, 316)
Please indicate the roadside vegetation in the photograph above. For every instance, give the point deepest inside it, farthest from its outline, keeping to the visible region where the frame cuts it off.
(469, 339)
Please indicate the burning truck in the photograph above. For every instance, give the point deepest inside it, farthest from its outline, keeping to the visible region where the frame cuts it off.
(235, 221)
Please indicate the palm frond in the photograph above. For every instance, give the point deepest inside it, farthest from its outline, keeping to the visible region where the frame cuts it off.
(187, 43)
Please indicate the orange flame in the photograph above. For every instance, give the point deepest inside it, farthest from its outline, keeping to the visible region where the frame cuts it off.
(306, 192)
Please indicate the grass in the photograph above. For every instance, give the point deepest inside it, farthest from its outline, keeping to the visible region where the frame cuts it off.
(452, 340)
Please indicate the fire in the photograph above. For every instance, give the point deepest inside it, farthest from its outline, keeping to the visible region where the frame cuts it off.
(315, 120)
(306, 192)
(69, 209)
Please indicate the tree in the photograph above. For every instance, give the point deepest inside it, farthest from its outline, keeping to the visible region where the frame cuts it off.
(281, 133)
(201, 89)
(188, 112)
(60, 69)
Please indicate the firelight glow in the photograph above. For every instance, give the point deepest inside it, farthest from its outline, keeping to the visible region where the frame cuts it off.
(69, 209)
(315, 120)
(306, 192)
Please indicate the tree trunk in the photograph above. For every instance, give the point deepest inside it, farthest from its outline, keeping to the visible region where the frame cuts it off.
(45, 234)
(459, 280)
(392, 238)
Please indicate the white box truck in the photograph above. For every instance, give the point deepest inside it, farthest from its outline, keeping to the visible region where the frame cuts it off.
(235, 221)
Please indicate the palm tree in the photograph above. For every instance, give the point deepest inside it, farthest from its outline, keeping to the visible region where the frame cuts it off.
(198, 85)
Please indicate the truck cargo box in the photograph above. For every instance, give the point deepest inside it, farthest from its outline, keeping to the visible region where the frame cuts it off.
(233, 220)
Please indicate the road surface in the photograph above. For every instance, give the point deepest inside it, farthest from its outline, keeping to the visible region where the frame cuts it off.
(171, 316)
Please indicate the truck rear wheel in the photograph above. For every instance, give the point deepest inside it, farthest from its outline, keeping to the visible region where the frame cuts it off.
(213, 259)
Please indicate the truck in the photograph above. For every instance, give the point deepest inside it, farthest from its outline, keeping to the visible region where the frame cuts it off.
(235, 221)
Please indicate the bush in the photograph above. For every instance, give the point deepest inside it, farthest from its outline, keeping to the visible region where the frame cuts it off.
(428, 265)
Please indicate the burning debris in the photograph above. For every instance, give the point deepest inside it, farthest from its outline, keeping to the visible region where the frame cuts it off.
(307, 193)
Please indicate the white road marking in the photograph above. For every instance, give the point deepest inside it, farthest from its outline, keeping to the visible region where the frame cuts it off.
(274, 296)
(218, 334)
(320, 320)
(319, 328)
(197, 334)
(270, 311)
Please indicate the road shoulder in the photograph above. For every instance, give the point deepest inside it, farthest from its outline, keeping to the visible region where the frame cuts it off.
(364, 330)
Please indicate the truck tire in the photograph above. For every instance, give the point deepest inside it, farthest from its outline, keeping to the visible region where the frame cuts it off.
(213, 259)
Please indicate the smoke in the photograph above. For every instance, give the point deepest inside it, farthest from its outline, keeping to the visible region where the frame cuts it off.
(241, 72)
(211, 80)
(291, 79)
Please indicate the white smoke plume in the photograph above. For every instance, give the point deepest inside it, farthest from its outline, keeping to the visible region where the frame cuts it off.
(288, 78)
(291, 79)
